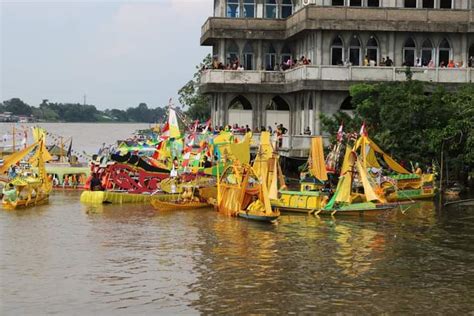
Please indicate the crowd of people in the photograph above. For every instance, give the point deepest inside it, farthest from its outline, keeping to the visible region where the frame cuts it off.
(290, 63)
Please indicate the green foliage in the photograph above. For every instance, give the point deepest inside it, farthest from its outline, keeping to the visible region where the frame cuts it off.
(411, 121)
(17, 107)
(190, 96)
(75, 112)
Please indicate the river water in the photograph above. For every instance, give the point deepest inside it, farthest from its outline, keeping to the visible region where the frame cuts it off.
(69, 258)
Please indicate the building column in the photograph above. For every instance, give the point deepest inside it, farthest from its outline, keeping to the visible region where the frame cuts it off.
(319, 48)
(317, 112)
(391, 49)
(258, 66)
(464, 52)
(221, 54)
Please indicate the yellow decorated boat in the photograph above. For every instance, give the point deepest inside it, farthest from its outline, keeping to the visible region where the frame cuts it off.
(402, 185)
(27, 188)
(311, 195)
(174, 203)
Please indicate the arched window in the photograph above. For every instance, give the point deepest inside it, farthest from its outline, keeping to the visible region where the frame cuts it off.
(409, 52)
(372, 49)
(233, 9)
(248, 57)
(232, 53)
(249, 8)
(347, 104)
(373, 3)
(240, 103)
(444, 53)
(354, 51)
(337, 2)
(426, 52)
(270, 58)
(471, 56)
(270, 9)
(286, 8)
(410, 3)
(355, 3)
(278, 104)
(285, 54)
(446, 4)
(337, 51)
(428, 4)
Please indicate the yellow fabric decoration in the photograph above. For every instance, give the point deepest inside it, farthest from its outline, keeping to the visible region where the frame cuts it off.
(318, 165)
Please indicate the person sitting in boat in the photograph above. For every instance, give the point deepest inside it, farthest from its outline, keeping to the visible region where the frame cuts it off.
(207, 163)
(12, 172)
(9, 193)
(418, 170)
(96, 184)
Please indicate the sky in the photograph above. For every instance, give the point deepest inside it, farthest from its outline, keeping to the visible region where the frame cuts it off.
(117, 53)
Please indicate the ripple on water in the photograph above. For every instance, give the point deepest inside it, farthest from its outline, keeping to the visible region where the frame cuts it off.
(68, 258)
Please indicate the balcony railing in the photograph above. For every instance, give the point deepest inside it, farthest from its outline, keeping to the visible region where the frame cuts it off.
(338, 73)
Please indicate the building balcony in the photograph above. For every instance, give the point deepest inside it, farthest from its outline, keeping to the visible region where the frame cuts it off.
(323, 78)
(340, 18)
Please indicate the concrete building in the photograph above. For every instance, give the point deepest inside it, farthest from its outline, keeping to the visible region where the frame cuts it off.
(337, 36)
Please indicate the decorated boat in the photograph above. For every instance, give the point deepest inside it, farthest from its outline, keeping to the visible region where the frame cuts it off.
(356, 192)
(243, 192)
(187, 200)
(27, 188)
(400, 184)
(313, 177)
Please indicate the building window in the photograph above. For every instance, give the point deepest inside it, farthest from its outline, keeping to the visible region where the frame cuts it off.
(233, 8)
(270, 58)
(354, 51)
(248, 57)
(426, 52)
(446, 4)
(337, 52)
(409, 52)
(372, 50)
(373, 3)
(444, 53)
(355, 3)
(338, 2)
(286, 8)
(410, 3)
(428, 4)
(270, 9)
(249, 8)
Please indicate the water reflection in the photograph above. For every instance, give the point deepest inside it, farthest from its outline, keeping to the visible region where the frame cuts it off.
(68, 258)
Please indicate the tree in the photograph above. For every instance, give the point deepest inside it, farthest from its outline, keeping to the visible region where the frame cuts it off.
(190, 96)
(411, 121)
(17, 107)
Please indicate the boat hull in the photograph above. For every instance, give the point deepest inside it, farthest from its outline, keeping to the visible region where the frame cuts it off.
(257, 217)
(299, 201)
(358, 209)
(100, 197)
(22, 204)
(167, 205)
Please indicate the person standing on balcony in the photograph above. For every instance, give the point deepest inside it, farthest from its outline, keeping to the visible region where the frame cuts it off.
(388, 62)
(307, 131)
(366, 60)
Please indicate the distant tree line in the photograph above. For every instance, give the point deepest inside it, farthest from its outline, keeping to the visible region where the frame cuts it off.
(75, 112)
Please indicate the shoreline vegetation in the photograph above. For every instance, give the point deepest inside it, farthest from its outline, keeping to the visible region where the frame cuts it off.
(48, 112)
